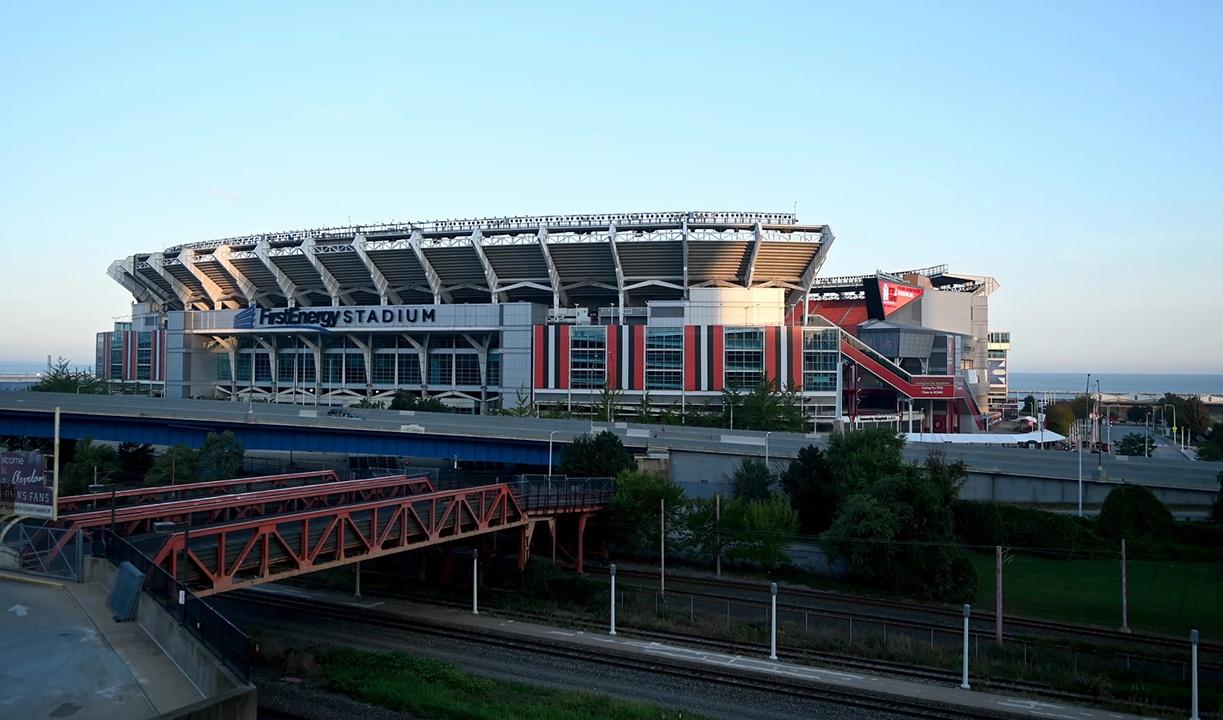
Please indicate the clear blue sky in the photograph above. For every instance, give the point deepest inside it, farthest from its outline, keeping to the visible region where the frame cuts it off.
(1073, 150)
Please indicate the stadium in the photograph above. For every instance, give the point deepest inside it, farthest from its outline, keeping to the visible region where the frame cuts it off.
(670, 309)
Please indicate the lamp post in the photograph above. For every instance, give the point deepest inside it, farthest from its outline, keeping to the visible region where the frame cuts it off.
(550, 436)
(1100, 407)
(1086, 415)
(1173, 430)
(766, 448)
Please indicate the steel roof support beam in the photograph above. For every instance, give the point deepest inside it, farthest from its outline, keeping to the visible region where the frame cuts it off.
(287, 287)
(332, 285)
(684, 244)
(490, 275)
(611, 240)
(558, 291)
(139, 289)
(751, 260)
(385, 291)
(216, 295)
(248, 288)
(157, 261)
(440, 294)
(813, 269)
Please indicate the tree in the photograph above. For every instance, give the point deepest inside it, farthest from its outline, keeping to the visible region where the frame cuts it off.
(135, 459)
(600, 456)
(1029, 405)
(368, 403)
(752, 480)
(1059, 417)
(764, 408)
(812, 487)
(1216, 510)
(609, 398)
(645, 413)
(858, 457)
(640, 497)
(897, 533)
(1211, 446)
(1134, 445)
(60, 378)
(78, 473)
(176, 466)
(1196, 416)
(221, 456)
(404, 400)
(522, 409)
(1132, 512)
(758, 531)
(1137, 413)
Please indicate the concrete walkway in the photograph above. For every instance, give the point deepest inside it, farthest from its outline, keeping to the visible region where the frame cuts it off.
(63, 656)
(1001, 705)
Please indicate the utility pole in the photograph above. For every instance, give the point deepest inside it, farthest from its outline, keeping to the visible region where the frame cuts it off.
(1087, 414)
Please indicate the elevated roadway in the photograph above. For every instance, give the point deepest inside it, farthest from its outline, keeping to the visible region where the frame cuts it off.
(707, 453)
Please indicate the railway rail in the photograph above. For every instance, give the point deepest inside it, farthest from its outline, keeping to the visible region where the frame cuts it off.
(983, 622)
(920, 708)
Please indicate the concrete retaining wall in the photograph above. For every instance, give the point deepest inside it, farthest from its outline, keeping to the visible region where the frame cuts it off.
(704, 474)
(226, 697)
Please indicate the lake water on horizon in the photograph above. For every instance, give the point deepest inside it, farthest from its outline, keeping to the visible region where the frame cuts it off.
(1118, 383)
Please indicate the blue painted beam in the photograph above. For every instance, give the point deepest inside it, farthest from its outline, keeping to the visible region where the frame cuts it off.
(268, 436)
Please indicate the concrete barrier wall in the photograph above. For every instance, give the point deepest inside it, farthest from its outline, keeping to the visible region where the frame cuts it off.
(226, 698)
(704, 474)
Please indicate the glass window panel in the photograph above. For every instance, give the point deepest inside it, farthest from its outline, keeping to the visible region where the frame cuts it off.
(409, 368)
(467, 369)
(354, 369)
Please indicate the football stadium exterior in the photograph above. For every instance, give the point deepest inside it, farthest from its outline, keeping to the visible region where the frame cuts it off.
(671, 308)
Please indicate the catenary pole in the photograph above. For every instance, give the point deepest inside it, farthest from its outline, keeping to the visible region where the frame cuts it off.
(773, 621)
(662, 546)
(475, 581)
(612, 631)
(964, 680)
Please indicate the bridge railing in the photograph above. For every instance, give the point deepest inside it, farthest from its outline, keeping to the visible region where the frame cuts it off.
(558, 493)
(225, 641)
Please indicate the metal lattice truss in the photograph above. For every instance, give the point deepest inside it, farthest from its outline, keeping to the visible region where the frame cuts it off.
(940, 277)
(564, 261)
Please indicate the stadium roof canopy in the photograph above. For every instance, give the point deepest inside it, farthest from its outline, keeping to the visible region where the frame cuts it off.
(565, 260)
(940, 277)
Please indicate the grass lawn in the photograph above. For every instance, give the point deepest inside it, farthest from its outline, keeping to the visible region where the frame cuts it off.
(1165, 596)
(437, 690)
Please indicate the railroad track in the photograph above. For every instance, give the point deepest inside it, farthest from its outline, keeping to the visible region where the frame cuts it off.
(921, 709)
(953, 616)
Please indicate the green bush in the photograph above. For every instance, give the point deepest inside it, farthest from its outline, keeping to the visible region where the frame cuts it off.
(1133, 512)
(541, 580)
(752, 480)
(984, 523)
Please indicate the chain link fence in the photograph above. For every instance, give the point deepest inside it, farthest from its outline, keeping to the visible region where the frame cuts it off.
(42, 550)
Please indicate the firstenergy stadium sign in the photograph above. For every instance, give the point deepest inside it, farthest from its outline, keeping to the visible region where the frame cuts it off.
(356, 318)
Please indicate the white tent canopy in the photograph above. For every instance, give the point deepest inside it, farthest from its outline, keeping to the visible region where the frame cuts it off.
(1048, 436)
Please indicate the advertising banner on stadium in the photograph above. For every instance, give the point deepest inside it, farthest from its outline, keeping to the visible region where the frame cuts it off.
(24, 486)
(884, 297)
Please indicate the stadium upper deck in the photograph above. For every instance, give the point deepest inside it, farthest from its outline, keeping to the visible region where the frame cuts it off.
(561, 260)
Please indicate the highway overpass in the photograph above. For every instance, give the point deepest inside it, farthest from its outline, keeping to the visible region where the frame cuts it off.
(699, 458)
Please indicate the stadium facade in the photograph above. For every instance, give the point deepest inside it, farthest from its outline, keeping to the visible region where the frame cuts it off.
(671, 308)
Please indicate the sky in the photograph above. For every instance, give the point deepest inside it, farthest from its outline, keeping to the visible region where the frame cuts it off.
(1072, 150)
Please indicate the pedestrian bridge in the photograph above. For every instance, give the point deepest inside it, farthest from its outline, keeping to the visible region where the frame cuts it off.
(224, 535)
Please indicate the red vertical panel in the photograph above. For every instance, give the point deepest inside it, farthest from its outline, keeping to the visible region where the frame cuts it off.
(562, 367)
(540, 356)
(796, 356)
(691, 350)
(638, 359)
(612, 366)
(717, 352)
(772, 368)
(161, 371)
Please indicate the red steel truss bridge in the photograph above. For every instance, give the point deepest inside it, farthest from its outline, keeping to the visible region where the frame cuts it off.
(223, 535)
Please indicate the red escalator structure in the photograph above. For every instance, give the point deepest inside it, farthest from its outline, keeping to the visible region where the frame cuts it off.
(951, 388)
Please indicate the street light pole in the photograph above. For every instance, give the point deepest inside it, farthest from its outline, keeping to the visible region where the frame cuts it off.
(550, 436)
(1099, 421)
(766, 448)
(1086, 414)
